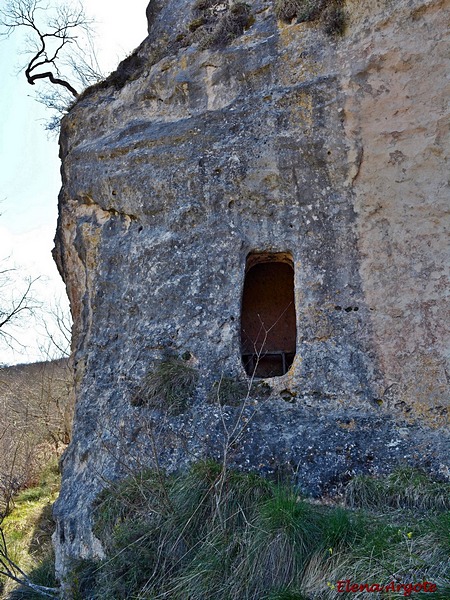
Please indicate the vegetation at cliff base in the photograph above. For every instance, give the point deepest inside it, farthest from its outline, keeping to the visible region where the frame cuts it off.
(36, 407)
(211, 533)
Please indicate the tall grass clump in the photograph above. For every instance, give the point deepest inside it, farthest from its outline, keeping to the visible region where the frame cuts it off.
(169, 386)
(283, 539)
(404, 488)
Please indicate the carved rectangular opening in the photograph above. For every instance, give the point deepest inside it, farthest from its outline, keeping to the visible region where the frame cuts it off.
(268, 322)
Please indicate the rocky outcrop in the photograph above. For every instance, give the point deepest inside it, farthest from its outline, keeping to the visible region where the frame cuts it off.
(232, 133)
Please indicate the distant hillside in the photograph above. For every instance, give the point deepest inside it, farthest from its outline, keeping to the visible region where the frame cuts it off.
(35, 421)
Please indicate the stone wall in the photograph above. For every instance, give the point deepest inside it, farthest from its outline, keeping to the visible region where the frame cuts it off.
(285, 140)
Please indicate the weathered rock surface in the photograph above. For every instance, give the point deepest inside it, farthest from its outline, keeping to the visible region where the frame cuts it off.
(284, 140)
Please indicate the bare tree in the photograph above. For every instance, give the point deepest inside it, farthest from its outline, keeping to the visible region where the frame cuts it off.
(16, 303)
(59, 46)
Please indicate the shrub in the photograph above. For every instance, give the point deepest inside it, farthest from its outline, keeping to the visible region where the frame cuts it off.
(219, 32)
(329, 12)
(302, 10)
(333, 20)
(214, 26)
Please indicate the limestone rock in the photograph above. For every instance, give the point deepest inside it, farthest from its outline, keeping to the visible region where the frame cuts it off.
(329, 152)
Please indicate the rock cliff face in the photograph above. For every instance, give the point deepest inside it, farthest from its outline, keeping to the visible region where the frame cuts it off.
(209, 152)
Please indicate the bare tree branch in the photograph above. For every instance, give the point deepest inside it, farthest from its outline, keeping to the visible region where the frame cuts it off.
(16, 302)
(10, 569)
(21, 304)
(60, 43)
(57, 325)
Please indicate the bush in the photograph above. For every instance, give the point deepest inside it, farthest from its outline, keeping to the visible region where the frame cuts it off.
(333, 20)
(216, 29)
(330, 13)
(232, 24)
(302, 10)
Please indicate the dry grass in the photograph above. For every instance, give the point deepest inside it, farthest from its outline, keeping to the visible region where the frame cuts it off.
(128, 70)
(405, 488)
(302, 10)
(169, 387)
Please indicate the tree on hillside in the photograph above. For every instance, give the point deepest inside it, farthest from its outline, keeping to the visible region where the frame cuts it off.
(59, 48)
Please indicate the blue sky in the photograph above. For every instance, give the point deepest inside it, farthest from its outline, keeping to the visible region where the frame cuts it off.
(29, 164)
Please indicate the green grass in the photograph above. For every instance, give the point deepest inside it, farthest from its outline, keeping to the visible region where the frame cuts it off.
(42, 574)
(286, 595)
(214, 534)
(404, 488)
(225, 535)
(28, 529)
